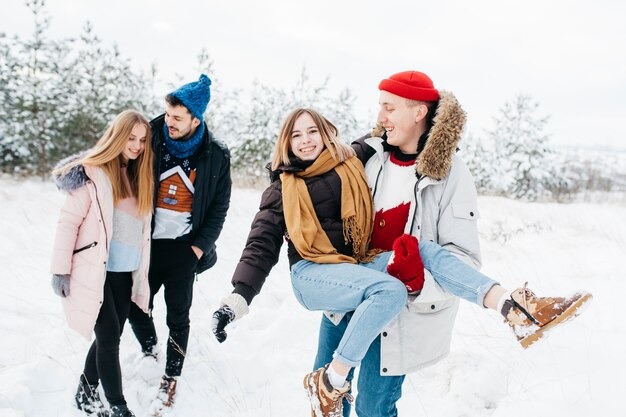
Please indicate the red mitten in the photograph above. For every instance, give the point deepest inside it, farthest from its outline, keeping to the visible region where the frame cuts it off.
(406, 263)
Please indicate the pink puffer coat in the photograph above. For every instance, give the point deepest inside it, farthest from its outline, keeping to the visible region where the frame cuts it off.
(81, 246)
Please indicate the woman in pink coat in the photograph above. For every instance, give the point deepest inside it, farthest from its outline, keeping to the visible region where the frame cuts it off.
(102, 248)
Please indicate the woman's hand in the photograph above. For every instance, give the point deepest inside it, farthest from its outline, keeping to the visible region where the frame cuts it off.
(221, 318)
(61, 284)
(233, 307)
(197, 251)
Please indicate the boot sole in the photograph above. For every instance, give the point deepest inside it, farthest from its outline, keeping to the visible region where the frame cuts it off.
(307, 388)
(573, 311)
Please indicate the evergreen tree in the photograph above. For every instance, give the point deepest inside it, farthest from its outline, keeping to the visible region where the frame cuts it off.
(6, 101)
(480, 161)
(102, 84)
(520, 145)
(255, 137)
(223, 112)
(57, 97)
(340, 111)
(34, 95)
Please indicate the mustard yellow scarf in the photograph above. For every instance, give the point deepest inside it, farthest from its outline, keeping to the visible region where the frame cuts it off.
(305, 230)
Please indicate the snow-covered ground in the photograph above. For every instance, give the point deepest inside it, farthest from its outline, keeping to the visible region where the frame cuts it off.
(257, 372)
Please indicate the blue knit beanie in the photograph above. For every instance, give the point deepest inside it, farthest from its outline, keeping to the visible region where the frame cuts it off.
(195, 95)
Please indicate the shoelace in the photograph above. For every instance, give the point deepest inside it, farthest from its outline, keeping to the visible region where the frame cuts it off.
(527, 294)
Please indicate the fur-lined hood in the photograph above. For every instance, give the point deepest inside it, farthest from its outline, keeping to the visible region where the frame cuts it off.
(74, 178)
(444, 136)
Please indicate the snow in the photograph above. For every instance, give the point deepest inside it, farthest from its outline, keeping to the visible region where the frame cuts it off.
(258, 371)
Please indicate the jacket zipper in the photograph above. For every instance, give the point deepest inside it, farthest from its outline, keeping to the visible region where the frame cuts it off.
(380, 170)
(415, 191)
(91, 245)
(101, 216)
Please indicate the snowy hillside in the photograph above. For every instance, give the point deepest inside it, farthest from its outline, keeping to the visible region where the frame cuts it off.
(257, 372)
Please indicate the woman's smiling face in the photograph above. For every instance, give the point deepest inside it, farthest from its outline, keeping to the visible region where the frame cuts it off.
(306, 141)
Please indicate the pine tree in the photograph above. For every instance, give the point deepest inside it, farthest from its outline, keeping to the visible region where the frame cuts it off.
(7, 61)
(520, 145)
(57, 96)
(340, 111)
(35, 95)
(223, 112)
(257, 133)
(102, 84)
(480, 161)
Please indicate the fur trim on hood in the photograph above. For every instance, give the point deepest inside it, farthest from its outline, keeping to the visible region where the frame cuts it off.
(444, 136)
(72, 180)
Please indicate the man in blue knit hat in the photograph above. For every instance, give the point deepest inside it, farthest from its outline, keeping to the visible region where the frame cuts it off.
(192, 195)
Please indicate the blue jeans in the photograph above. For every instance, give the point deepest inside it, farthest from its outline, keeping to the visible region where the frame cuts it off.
(454, 275)
(374, 296)
(378, 394)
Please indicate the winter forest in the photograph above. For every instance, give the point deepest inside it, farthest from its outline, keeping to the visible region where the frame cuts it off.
(57, 96)
(550, 215)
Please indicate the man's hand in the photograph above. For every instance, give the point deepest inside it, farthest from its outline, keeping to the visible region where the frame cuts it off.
(221, 318)
(61, 284)
(197, 251)
(406, 263)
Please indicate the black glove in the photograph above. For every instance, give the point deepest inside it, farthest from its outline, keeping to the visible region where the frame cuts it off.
(61, 284)
(221, 318)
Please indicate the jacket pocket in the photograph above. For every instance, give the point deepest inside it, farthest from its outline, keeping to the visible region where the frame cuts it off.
(467, 211)
(91, 245)
(432, 299)
(429, 307)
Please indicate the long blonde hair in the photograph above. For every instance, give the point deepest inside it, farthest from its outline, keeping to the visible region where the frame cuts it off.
(106, 155)
(329, 133)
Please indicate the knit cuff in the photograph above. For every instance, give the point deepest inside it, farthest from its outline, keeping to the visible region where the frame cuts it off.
(246, 291)
(236, 303)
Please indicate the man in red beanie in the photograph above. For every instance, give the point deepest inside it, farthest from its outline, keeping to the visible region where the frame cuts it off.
(421, 187)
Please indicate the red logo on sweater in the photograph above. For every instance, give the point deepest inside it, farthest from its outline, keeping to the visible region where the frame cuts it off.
(388, 226)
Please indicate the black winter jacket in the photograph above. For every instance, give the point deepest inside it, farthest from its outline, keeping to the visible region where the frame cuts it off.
(212, 191)
(268, 229)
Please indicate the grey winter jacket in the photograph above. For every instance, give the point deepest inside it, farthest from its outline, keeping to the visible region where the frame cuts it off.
(444, 210)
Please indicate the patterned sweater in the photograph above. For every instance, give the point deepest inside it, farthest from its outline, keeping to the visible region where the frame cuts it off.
(126, 238)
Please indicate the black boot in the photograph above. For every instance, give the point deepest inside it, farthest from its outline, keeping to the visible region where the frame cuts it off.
(121, 411)
(88, 400)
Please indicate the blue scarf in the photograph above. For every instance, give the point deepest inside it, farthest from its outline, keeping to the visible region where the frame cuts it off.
(184, 148)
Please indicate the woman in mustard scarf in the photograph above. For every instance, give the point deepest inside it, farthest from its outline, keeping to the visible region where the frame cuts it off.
(320, 203)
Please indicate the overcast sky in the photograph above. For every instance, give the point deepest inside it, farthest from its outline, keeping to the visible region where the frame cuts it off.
(570, 56)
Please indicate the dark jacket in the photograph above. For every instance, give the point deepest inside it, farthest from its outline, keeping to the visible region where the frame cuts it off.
(364, 151)
(268, 229)
(212, 191)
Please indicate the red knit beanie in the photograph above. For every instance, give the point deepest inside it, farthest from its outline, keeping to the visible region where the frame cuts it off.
(413, 85)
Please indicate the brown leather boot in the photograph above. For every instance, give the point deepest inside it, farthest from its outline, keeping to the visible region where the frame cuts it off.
(165, 395)
(530, 317)
(326, 401)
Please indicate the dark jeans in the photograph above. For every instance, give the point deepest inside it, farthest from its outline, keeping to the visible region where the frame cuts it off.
(378, 394)
(103, 359)
(172, 265)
